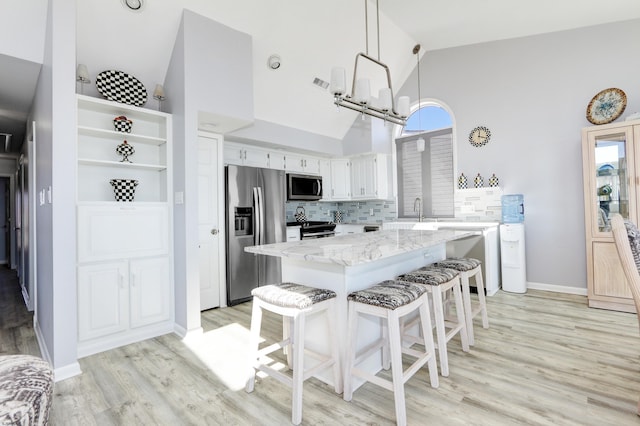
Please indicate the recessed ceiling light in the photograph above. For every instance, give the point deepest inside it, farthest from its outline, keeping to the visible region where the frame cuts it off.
(135, 5)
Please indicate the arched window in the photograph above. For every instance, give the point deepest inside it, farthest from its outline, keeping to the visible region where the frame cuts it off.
(425, 172)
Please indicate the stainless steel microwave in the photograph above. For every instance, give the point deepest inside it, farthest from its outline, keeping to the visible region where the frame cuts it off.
(304, 187)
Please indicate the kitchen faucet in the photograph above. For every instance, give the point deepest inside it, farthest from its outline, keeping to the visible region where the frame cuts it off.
(418, 201)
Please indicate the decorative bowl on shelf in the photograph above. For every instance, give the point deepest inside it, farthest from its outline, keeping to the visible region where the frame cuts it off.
(122, 124)
(124, 189)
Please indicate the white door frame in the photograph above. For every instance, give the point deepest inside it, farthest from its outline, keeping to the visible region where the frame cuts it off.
(222, 238)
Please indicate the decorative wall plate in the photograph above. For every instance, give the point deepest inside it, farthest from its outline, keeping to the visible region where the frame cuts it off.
(606, 106)
(121, 87)
(479, 136)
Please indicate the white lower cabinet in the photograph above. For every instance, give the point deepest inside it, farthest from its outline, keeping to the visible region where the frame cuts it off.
(103, 300)
(150, 291)
(116, 296)
(125, 290)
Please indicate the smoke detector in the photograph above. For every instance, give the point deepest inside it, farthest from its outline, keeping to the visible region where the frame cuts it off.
(274, 62)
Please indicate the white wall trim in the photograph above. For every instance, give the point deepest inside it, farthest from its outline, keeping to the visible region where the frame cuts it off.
(557, 288)
(66, 372)
(186, 335)
(41, 342)
(61, 373)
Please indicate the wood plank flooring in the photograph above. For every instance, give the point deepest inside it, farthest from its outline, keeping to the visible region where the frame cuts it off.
(546, 359)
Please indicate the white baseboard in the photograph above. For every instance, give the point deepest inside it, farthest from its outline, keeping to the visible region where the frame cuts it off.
(196, 333)
(557, 288)
(67, 372)
(41, 343)
(61, 373)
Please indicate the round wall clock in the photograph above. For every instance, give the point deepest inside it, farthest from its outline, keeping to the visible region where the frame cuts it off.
(606, 106)
(479, 136)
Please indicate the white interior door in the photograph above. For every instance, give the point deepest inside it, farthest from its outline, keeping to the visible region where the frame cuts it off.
(208, 221)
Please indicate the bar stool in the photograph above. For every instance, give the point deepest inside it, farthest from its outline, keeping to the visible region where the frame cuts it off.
(469, 267)
(295, 302)
(390, 300)
(438, 281)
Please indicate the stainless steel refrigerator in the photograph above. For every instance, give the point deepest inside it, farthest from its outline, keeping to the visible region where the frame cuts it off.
(255, 214)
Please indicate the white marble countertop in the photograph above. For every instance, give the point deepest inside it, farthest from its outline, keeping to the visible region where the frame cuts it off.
(357, 249)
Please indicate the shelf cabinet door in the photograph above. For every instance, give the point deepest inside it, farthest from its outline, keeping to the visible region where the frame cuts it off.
(102, 300)
(609, 176)
(340, 179)
(608, 276)
(107, 232)
(325, 172)
(150, 290)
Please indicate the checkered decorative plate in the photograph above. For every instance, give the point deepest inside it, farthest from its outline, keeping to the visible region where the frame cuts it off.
(124, 189)
(121, 87)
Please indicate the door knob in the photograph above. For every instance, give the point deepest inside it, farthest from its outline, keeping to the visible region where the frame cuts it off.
(214, 232)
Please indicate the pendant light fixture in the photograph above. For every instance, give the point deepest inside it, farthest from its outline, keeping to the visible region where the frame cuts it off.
(359, 99)
(420, 143)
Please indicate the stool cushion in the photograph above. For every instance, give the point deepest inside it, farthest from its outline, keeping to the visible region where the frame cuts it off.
(26, 389)
(291, 295)
(388, 294)
(430, 275)
(462, 264)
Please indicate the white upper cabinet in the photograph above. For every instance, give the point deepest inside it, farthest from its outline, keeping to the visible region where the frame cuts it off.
(245, 155)
(302, 164)
(371, 177)
(340, 179)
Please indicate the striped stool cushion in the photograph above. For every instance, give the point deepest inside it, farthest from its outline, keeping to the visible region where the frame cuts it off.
(430, 275)
(459, 263)
(290, 295)
(388, 294)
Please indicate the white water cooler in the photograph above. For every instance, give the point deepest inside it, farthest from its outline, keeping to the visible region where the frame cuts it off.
(512, 255)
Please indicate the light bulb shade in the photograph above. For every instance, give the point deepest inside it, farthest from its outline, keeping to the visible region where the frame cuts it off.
(363, 91)
(158, 93)
(420, 143)
(384, 97)
(82, 74)
(338, 81)
(403, 106)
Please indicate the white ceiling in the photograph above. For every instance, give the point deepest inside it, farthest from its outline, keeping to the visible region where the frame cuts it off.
(311, 37)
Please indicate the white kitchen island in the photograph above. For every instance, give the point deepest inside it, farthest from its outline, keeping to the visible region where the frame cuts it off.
(348, 263)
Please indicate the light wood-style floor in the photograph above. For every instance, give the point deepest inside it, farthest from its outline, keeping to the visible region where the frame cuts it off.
(547, 359)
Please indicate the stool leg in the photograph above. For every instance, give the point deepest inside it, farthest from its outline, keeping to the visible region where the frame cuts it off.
(438, 314)
(254, 342)
(425, 317)
(351, 352)
(335, 344)
(298, 368)
(466, 300)
(395, 344)
(482, 299)
(286, 334)
(460, 315)
(386, 360)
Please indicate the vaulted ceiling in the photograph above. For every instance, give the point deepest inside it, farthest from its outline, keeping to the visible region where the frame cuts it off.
(310, 37)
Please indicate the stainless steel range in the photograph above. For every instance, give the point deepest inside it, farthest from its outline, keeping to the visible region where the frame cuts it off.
(315, 229)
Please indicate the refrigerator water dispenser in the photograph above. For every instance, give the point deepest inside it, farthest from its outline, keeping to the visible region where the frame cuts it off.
(243, 221)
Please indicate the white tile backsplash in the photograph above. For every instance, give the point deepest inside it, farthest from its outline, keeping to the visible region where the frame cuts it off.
(478, 204)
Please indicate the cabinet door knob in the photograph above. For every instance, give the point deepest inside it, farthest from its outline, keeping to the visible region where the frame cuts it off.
(214, 232)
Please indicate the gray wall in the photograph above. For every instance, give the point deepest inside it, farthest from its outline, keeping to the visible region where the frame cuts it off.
(55, 164)
(205, 51)
(532, 93)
